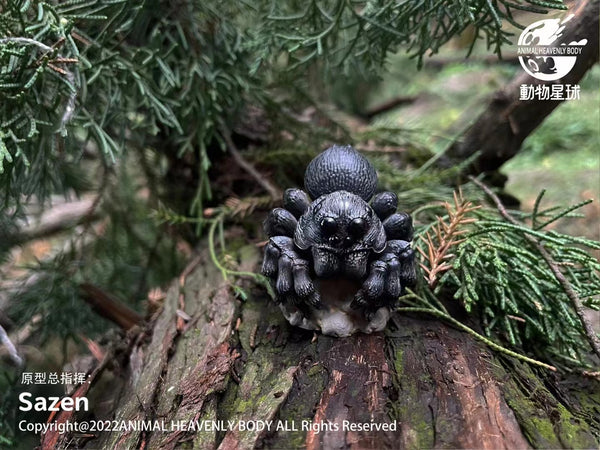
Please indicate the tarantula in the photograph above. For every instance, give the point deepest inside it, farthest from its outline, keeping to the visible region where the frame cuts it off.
(339, 264)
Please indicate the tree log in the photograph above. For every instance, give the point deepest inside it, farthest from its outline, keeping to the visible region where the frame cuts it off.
(234, 360)
(497, 134)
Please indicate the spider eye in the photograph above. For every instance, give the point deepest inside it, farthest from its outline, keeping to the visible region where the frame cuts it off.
(329, 226)
(357, 227)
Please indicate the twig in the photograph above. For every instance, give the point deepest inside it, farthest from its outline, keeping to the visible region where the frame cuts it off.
(21, 335)
(249, 168)
(55, 220)
(109, 307)
(260, 279)
(476, 335)
(12, 350)
(26, 41)
(70, 106)
(489, 60)
(99, 195)
(389, 105)
(571, 294)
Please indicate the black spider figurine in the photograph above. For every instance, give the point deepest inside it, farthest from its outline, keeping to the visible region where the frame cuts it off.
(339, 264)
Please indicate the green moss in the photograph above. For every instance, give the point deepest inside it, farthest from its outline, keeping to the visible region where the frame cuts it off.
(206, 439)
(266, 378)
(539, 431)
(398, 363)
(545, 422)
(295, 439)
(573, 432)
(300, 405)
(562, 431)
(586, 399)
(228, 404)
(315, 370)
(417, 430)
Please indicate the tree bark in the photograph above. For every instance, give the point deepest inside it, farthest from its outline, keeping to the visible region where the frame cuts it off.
(210, 356)
(497, 134)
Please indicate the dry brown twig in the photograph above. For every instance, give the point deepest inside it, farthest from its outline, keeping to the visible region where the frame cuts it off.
(445, 237)
(243, 207)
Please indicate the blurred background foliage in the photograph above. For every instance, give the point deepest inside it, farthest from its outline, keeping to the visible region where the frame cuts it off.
(141, 107)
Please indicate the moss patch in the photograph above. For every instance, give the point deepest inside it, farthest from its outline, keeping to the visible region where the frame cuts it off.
(413, 417)
(544, 420)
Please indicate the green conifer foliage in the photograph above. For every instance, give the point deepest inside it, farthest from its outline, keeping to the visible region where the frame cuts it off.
(109, 75)
(102, 95)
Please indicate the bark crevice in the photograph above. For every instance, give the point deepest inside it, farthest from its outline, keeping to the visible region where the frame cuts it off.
(241, 361)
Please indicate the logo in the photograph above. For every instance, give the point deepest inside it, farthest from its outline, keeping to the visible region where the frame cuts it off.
(543, 54)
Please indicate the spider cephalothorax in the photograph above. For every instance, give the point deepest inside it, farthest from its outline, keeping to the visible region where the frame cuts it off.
(338, 264)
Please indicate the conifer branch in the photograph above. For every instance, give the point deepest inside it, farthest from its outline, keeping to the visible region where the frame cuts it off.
(568, 289)
(445, 236)
(26, 41)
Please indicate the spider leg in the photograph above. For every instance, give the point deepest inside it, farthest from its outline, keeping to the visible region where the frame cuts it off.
(284, 275)
(280, 222)
(398, 226)
(389, 275)
(296, 201)
(375, 282)
(303, 285)
(406, 258)
(393, 285)
(269, 265)
(385, 204)
(289, 272)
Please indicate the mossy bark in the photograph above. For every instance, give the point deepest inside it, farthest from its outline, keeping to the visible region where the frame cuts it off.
(210, 356)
